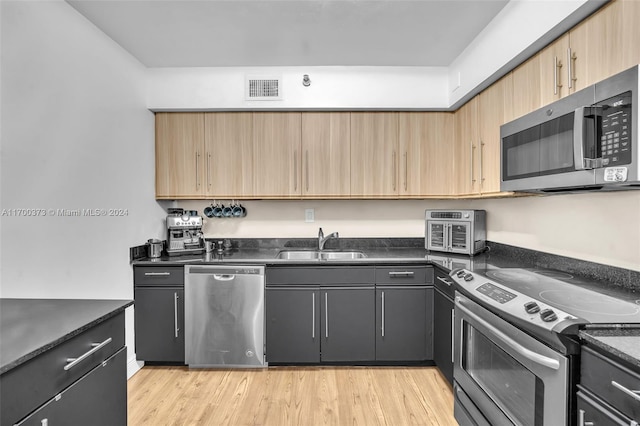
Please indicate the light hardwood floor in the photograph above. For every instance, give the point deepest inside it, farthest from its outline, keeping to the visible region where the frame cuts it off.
(290, 396)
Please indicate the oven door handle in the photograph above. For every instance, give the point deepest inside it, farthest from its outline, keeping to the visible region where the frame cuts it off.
(527, 353)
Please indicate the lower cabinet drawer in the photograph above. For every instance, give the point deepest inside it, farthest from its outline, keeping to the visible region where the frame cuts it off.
(98, 398)
(31, 384)
(592, 411)
(611, 381)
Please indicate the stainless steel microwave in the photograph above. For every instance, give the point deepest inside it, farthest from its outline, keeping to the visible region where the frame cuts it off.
(586, 141)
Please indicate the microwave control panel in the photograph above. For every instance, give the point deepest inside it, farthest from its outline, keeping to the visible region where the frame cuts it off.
(615, 130)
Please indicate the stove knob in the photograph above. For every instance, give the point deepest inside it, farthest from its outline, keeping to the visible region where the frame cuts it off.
(531, 307)
(468, 277)
(548, 315)
(461, 274)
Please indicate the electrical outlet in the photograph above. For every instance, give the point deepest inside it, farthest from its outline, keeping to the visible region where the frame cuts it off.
(309, 215)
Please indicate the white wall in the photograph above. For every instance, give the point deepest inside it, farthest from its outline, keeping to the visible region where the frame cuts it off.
(602, 227)
(331, 88)
(518, 31)
(76, 134)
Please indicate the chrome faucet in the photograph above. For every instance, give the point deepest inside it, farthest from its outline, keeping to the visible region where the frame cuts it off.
(322, 239)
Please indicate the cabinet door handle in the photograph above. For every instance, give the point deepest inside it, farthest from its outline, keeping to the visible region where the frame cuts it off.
(395, 170)
(556, 70)
(473, 147)
(406, 173)
(632, 393)
(581, 421)
(394, 274)
(175, 314)
(295, 170)
(197, 170)
(306, 168)
(571, 57)
(157, 274)
(453, 325)
(383, 314)
(481, 163)
(313, 315)
(444, 280)
(209, 169)
(326, 315)
(72, 362)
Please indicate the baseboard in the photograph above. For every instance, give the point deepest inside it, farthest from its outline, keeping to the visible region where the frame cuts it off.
(133, 366)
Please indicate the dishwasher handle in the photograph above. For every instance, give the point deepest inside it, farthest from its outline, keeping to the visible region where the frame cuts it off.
(224, 277)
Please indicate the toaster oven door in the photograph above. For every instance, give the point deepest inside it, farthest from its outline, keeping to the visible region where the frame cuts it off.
(451, 237)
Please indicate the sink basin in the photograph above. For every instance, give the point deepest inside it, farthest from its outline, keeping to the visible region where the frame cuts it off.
(342, 255)
(319, 255)
(298, 255)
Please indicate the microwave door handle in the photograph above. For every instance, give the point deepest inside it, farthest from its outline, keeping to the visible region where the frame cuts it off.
(578, 139)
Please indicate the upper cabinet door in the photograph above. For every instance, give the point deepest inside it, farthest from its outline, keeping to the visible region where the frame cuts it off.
(466, 159)
(553, 61)
(494, 109)
(326, 154)
(180, 155)
(526, 83)
(602, 44)
(228, 154)
(426, 141)
(276, 153)
(374, 154)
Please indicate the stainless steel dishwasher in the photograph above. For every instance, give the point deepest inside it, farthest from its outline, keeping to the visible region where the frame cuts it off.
(224, 316)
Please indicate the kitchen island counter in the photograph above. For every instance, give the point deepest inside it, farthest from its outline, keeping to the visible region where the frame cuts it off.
(30, 327)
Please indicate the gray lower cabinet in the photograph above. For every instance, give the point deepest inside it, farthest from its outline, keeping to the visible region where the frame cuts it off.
(159, 323)
(98, 398)
(403, 324)
(320, 314)
(349, 314)
(293, 324)
(81, 381)
(609, 390)
(159, 313)
(443, 333)
(347, 324)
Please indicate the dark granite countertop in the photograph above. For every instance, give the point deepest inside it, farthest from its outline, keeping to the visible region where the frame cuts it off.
(29, 327)
(623, 342)
(612, 281)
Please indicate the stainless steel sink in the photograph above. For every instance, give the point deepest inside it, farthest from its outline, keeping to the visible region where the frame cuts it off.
(319, 255)
(342, 255)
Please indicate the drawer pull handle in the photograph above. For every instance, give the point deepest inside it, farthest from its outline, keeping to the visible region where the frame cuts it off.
(157, 274)
(96, 347)
(401, 274)
(444, 280)
(632, 393)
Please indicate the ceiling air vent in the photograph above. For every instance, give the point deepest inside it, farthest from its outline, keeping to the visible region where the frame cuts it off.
(263, 88)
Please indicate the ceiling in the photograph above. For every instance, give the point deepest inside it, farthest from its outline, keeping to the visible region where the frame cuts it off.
(242, 33)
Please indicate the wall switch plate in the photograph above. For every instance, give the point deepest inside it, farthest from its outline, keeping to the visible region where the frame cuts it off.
(309, 215)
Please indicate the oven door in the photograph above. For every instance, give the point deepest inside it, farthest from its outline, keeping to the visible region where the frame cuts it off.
(509, 377)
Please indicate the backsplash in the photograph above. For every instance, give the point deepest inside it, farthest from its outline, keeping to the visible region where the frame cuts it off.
(619, 277)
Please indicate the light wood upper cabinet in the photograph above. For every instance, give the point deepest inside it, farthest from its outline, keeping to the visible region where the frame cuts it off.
(277, 154)
(426, 141)
(526, 87)
(326, 154)
(228, 154)
(374, 154)
(494, 109)
(180, 155)
(553, 63)
(465, 164)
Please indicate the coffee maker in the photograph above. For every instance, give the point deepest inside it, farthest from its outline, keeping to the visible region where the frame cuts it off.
(184, 230)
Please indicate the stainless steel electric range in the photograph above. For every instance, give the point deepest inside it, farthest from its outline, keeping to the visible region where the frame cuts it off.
(516, 346)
